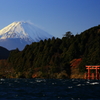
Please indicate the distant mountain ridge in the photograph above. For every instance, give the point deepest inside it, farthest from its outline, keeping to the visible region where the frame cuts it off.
(18, 34)
(4, 53)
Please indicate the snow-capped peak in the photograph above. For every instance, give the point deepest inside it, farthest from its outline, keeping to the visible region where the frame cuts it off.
(22, 31)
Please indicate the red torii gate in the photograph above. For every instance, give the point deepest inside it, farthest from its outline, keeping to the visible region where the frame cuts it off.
(90, 75)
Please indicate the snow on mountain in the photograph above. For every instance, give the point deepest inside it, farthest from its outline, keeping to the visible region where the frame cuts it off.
(18, 34)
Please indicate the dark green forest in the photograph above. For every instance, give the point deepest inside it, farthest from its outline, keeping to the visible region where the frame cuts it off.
(52, 58)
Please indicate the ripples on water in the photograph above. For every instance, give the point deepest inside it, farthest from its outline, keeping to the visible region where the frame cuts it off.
(50, 89)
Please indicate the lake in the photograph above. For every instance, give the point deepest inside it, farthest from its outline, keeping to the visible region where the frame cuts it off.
(49, 89)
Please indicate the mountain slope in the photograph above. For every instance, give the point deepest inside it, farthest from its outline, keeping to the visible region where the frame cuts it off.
(18, 34)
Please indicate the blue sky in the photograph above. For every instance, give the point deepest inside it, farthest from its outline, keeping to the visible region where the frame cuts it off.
(54, 16)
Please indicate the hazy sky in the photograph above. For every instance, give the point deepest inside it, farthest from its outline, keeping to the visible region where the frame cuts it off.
(54, 16)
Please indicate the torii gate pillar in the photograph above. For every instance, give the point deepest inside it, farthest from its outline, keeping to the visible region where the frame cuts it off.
(92, 76)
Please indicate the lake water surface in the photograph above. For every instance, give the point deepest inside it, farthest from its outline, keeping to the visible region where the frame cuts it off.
(49, 89)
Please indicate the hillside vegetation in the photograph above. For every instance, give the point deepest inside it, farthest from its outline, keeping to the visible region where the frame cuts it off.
(56, 58)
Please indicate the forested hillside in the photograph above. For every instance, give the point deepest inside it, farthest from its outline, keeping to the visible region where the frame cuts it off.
(56, 58)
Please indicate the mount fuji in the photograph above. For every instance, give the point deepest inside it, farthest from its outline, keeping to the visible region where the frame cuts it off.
(19, 34)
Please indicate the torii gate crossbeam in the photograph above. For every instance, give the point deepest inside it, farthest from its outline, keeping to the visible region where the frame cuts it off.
(92, 76)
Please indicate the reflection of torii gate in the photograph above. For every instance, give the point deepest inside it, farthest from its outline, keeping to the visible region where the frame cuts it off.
(90, 75)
